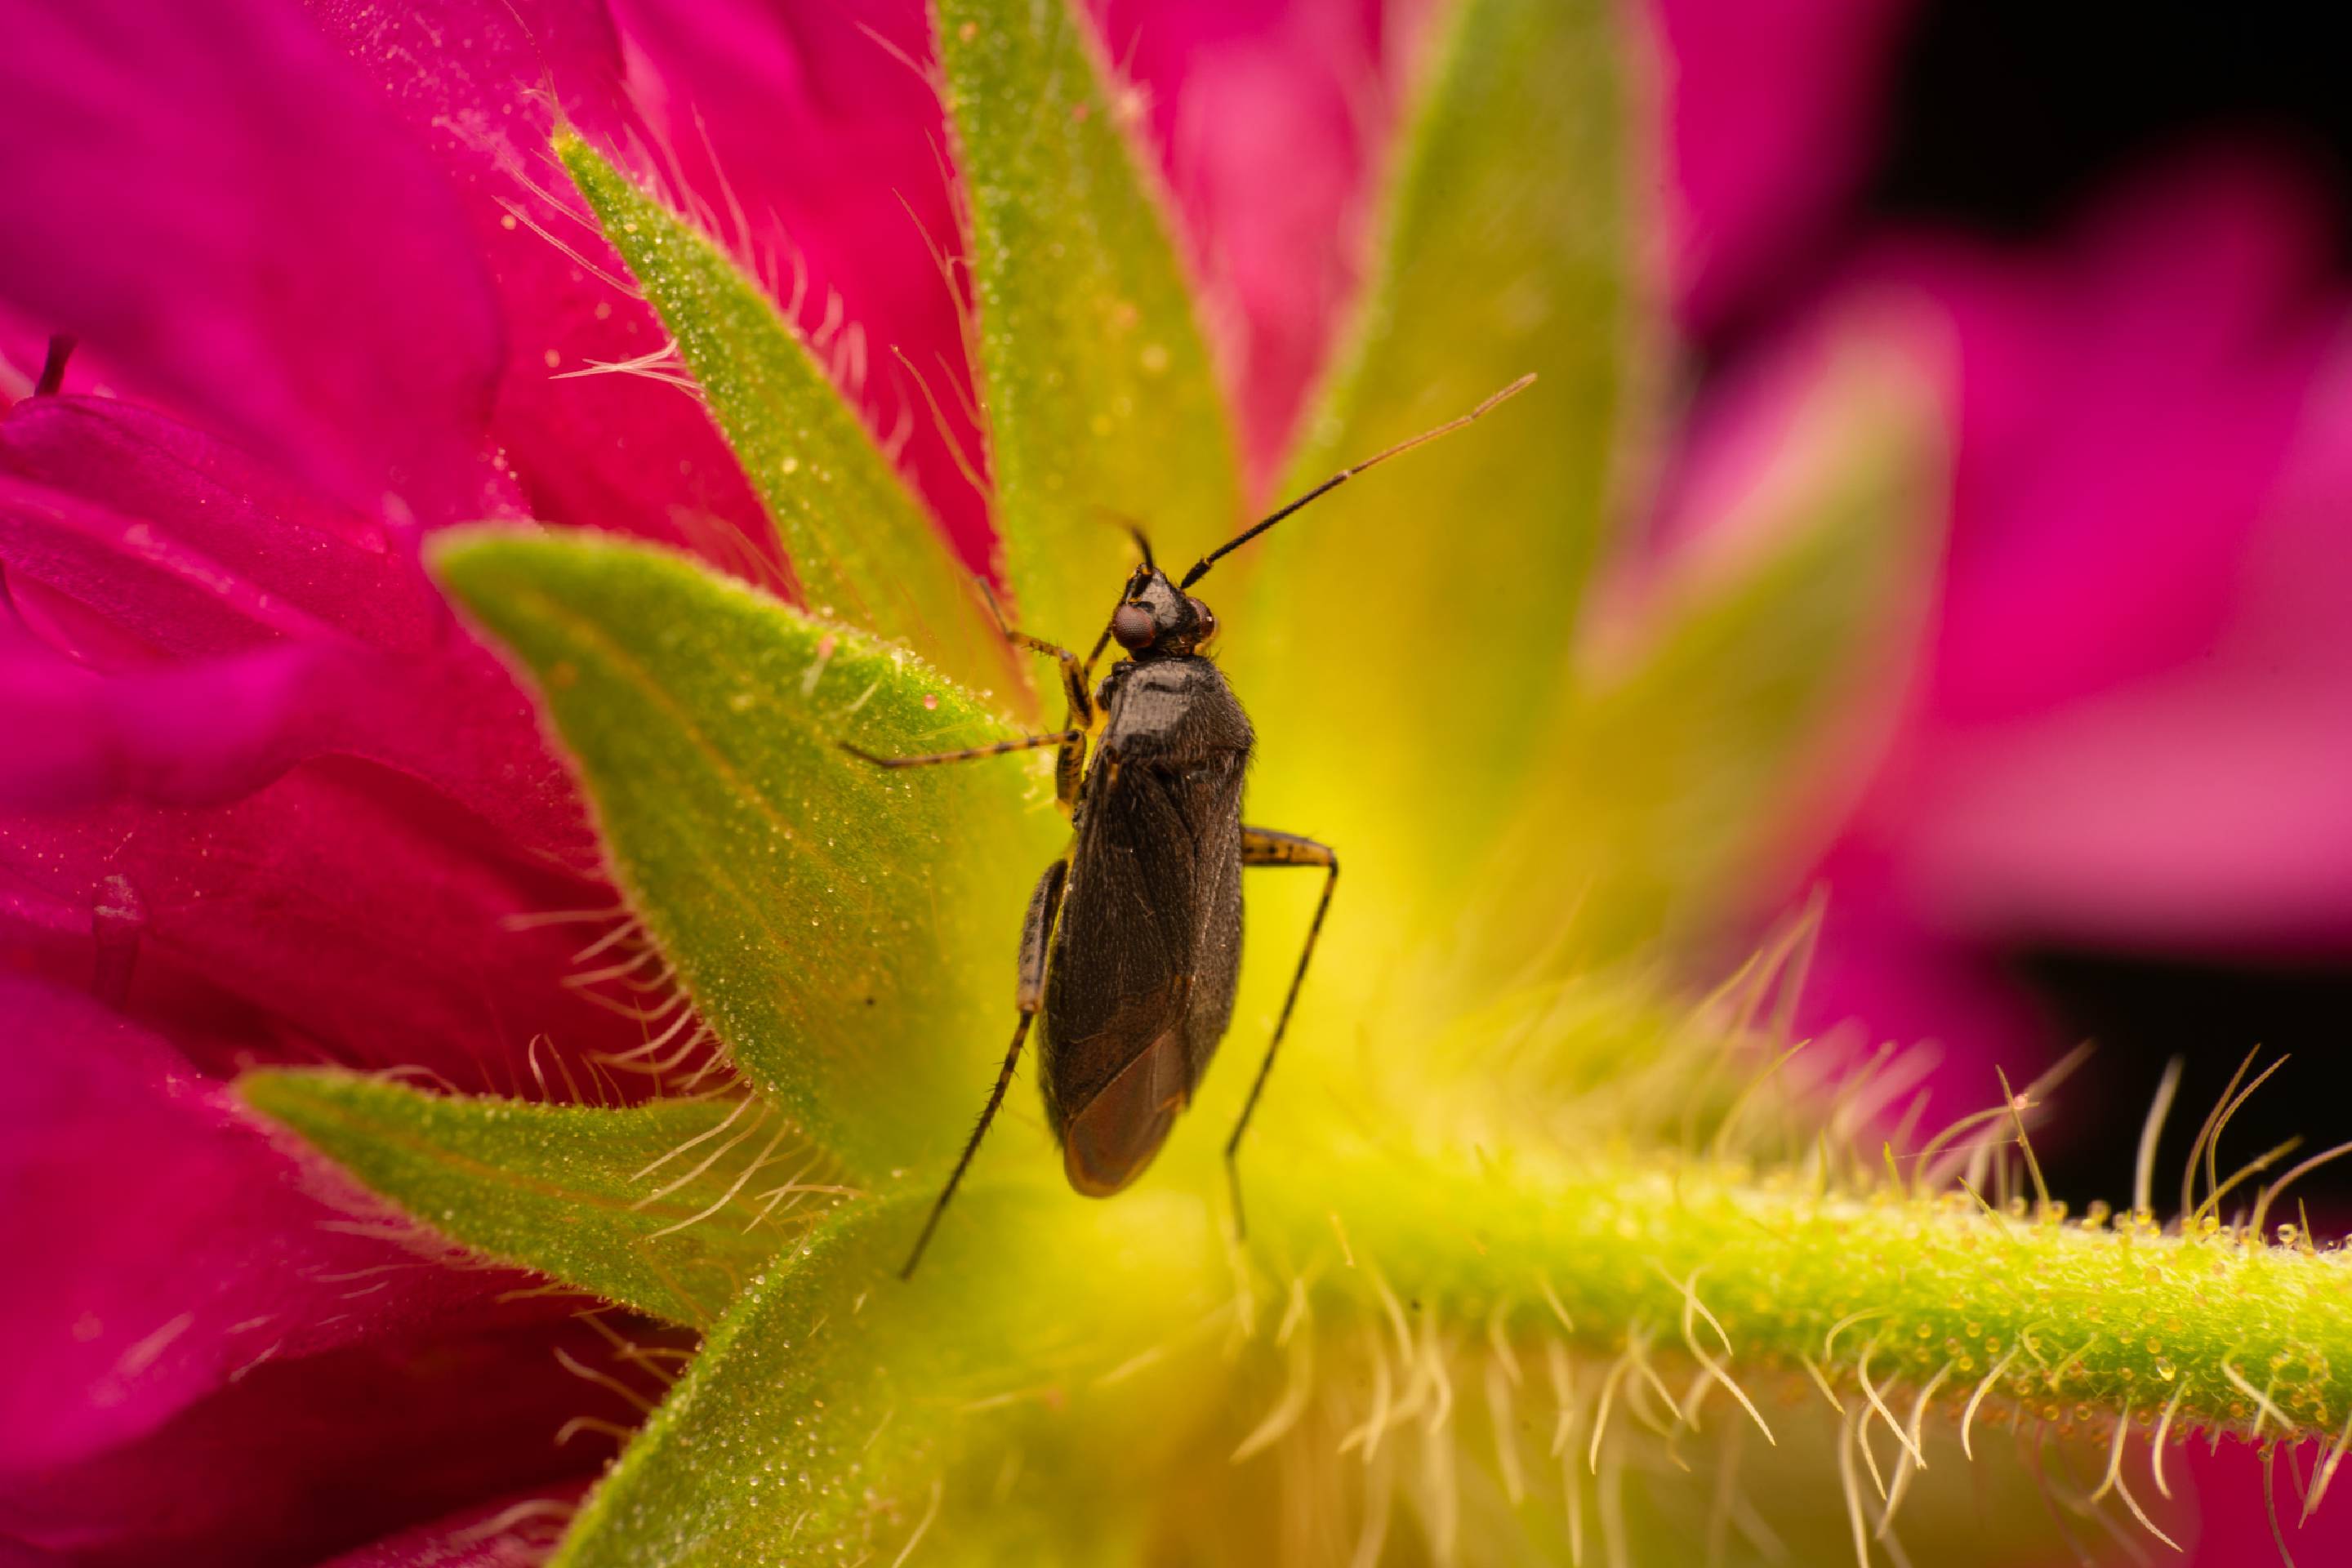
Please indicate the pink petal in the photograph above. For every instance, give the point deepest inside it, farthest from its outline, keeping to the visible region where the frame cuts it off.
(363, 906)
(515, 1532)
(1223, 81)
(205, 198)
(299, 1462)
(140, 545)
(352, 910)
(814, 135)
(2233, 1515)
(1771, 115)
(1881, 970)
(477, 84)
(190, 736)
(240, 530)
(2137, 725)
(2133, 720)
(2127, 407)
(160, 1246)
(211, 731)
(817, 148)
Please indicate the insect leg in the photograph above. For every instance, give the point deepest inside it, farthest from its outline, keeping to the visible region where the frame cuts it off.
(1263, 846)
(1070, 766)
(1037, 930)
(1074, 683)
(972, 754)
(1101, 643)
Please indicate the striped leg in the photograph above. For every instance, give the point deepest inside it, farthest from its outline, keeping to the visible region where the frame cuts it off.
(971, 754)
(1070, 767)
(1036, 932)
(1263, 846)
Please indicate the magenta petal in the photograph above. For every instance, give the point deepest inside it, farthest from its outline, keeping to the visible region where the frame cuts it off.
(160, 1246)
(299, 1462)
(191, 736)
(2139, 721)
(814, 141)
(1880, 973)
(156, 593)
(1771, 115)
(2126, 409)
(170, 505)
(2204, 806)
(2232, 1523)
(617, 452)
(136, 542)
(362, 905)
(515, 1532)
(210, 731)
(356, 911)
(1222, 81)
(206, 197)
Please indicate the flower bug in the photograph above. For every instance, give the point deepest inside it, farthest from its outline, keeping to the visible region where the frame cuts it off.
(1132, 946)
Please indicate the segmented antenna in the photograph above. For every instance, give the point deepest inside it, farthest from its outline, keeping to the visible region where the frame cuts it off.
(1201, 568)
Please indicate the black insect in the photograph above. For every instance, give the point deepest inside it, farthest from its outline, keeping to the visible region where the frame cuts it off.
(1133, 941)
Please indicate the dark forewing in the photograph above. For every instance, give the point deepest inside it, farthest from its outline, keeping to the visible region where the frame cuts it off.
(1149, 937)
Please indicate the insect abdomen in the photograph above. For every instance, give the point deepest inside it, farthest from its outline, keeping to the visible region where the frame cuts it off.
(1139, 981)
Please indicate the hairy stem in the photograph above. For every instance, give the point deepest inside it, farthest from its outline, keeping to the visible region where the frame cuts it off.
(2073, 1323)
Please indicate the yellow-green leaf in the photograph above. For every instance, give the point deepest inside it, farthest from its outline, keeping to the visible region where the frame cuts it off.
(669, 1208)
(1746, 683)
(1097, 386)
(1403, 641)
(863, 547)
(850, 934)
(840, 1412)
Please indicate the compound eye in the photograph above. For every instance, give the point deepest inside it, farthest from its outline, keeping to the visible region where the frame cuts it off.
(1132, 625)
(1204, 620)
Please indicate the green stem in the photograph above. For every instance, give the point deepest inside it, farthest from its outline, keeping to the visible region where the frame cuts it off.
(2071, 1323)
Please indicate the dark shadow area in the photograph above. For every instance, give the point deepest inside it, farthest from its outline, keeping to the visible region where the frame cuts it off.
(2007, 114)
(2142, 1010)
(2004, 117)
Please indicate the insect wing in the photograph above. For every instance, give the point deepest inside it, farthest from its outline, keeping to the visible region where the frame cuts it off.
(1149, 942)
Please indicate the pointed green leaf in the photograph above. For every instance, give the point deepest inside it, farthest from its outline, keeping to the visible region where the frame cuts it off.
(850, 934)
(1099, 389)
(863, 547)
(1749, 683)
(1411, 631)
(839, 1413)
(666, 1208)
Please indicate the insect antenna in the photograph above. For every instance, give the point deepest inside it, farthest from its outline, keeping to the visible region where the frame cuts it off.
(1143, 545)
(1134, 531)
(1201, 567)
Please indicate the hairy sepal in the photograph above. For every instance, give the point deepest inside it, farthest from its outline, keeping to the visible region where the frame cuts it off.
(668, 1208)
(1101, 403)
(864, 550)
(842, 929)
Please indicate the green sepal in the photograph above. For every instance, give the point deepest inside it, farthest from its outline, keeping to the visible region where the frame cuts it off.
(847, 932)
(841, 1411)
(1409, 629)
(1715, 723)
(666, 1208)
(1101, 398)
(866, 551)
